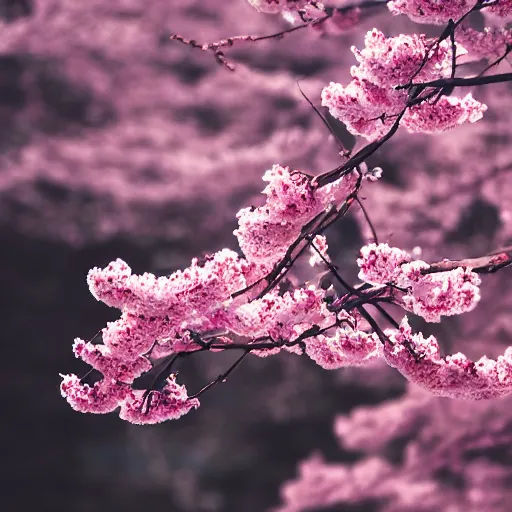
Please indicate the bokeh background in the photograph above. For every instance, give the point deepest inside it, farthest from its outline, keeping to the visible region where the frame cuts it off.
(115, 142)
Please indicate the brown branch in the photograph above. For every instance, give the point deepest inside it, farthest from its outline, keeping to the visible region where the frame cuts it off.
(508, 49)
(215, 47)
(356, 160)
(222, 377)
(368, 221)
(461, 82)
(481, 265)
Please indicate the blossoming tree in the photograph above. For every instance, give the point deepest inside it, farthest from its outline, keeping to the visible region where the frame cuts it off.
(251, 303)
(257, 302)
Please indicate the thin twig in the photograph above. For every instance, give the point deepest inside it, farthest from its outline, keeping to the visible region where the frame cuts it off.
(368, 221)
(462, 82)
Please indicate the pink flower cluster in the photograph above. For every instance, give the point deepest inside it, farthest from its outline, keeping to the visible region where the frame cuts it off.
(155, 311)
(387, 62)
(179, 295)
(439, 12)
(276, 6)
(431, 11)
(277, 316)
(502, 8)
(431, 295)
(434, 437)
(265, 233)
(157, 316)
(492, 42)
(322, 484)
(170, 402)
(346, 347)
(444, 114)
(159, 313)
(370, 103)
(453, 376)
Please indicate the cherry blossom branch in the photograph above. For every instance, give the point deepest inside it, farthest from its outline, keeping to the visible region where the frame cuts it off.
(461, 82)
(448, 32)
(415, 98)
(222, 377)
(176, 316)
(247, 349)
(335, 307)
(316, 226)
(360, 157)
(481, 265)
(508, 49)
(215, 47)
(368, 220)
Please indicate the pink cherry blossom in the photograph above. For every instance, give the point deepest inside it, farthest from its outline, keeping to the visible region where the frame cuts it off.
(101, 398)
(429, 295)
(266, 232)
(370, 103)
(347, 347)
(277, 315)
(390, 61)
(169, 403)
(502, 8)
(133, 335)
(276, 6)
(490, 43)
(443, 114)
(431, 11)
(110, 365)
(380, 263)
(324, 484)
(394, 419)
(176, 295)
(441, 294)
(105, 396)
(453, 376)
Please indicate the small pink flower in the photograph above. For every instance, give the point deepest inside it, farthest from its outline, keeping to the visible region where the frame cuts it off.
(502, 8)
(380, 263)
(453, 376)
(431, 11)
(446, 113)
(276, 6)
(101, 398)
(111, 366)
(346, 348)
(429, 295)
(169, 403)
